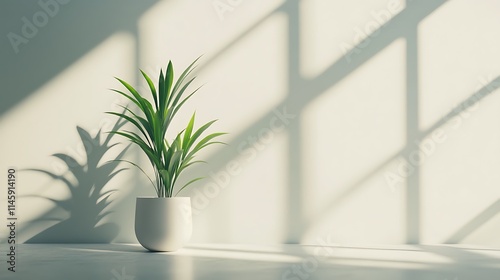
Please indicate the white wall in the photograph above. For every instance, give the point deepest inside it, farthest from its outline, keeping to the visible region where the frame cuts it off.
(327, 110)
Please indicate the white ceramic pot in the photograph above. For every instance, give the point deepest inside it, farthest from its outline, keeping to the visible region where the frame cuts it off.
(163, 224)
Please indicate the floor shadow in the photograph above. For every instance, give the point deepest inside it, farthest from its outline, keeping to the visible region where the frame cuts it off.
(189, 264)
(88, 203)
(467, 257)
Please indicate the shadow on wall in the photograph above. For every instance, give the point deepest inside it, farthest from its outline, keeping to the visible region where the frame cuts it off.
(88, 203)
(83, 25)
(302, 91)
(42, 40)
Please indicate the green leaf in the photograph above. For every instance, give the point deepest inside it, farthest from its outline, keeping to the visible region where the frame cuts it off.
(168, 159)
(137, 140)
(198, 133)
(142, 170)
(167, 119)
(165, 174)
(143, 122)
(184, 74)
(187, 184)
(169, 79)
(179, 94)
(148, 111)
(184, 101)
(187, 133)
(133, 121)
(208, 138)
(186, 165)
(151, 87)
(174, 161)
(127, 96)
(132, 90)
(161, 91)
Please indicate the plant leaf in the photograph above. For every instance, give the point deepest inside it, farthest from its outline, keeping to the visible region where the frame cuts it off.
(151, 87)
(185, 73)
(169, 79)
(187, 133)
(188, 183)
(142, 170)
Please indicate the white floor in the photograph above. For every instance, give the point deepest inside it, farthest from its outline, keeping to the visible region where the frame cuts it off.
(238, 262)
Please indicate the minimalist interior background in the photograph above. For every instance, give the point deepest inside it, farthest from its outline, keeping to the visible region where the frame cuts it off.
(351, 122)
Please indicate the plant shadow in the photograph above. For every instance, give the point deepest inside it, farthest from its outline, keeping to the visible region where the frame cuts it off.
(88, 203)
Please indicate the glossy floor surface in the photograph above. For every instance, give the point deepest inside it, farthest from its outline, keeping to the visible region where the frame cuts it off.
(132, 262)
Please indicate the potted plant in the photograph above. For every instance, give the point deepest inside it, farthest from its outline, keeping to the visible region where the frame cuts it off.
(164, 222)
